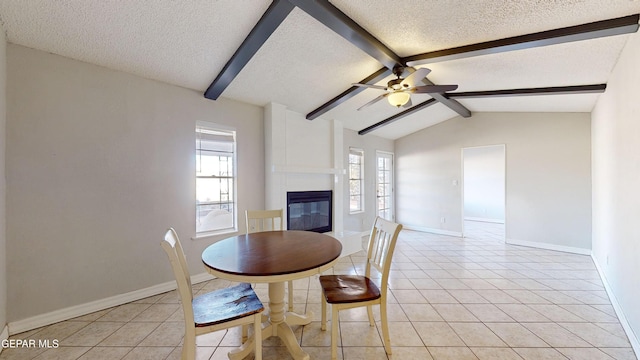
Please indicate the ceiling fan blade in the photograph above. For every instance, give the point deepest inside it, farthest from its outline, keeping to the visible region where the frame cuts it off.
(373, 101)
(377, 87)
(427, 89)
(415, 77)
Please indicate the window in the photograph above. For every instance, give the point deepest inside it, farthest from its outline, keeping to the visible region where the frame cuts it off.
(384, 184)
(356, 175)
(215, 179)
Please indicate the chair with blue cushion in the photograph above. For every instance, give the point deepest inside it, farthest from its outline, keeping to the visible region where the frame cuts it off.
(217, 310)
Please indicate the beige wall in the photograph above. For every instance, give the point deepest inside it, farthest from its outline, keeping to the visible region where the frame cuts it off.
(99, 164)
(616, 170)
(548, 175)
(3, 108)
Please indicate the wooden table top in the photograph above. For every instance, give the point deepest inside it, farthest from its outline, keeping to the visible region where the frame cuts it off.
(271, 253)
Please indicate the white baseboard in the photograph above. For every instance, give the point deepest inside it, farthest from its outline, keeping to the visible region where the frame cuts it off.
(547, 246)
(4, 335)
(495, 221)
(195, 279)
(71, 312)
(432, 230)
(633, 339)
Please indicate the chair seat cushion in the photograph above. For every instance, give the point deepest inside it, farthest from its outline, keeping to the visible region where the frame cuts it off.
(226, 304)
(348, 288)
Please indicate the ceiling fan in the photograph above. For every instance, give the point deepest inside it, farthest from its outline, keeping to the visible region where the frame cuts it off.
(398, 91)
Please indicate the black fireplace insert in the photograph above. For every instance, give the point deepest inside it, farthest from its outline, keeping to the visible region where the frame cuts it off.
(309, 210)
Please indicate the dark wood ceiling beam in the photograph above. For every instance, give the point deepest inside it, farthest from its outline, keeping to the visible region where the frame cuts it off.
(397, 116)
(349, 93)
(557, 90)
(331, 17)
(611, 27)
(339, 22)
(623, 25)
(268, 23)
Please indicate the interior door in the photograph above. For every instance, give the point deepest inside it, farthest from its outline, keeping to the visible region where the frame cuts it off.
(384, 185)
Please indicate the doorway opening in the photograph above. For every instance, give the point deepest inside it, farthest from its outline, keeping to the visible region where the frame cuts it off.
(484, 192)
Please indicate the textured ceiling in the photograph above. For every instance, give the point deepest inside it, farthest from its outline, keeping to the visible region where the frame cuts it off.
(412, 27)
(304, 64)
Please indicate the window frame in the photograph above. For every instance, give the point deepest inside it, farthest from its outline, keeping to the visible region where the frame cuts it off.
(360, 153)
(233, 200)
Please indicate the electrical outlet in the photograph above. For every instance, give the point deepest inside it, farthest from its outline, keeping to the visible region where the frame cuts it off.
(443, 220)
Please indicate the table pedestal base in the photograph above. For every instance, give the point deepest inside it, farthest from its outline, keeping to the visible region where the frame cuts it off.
(279, 324)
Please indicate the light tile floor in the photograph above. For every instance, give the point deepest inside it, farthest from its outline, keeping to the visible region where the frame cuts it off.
(451, 298)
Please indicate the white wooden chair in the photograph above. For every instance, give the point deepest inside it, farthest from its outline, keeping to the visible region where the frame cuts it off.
(213, 311)
(350, 291)
(266, 220)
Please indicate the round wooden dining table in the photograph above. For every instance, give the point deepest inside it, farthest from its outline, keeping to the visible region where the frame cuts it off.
(273, 257)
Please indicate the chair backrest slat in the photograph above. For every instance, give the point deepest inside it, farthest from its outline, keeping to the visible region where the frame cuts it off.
(382, 243)
(173, 248)
(263, 220)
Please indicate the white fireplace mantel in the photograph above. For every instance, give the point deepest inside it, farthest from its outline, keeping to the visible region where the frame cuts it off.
(307, 170)
(303, 155)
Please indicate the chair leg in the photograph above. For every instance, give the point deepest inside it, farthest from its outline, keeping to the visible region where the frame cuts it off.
(290, 286)
(372, 322)
(257, 335)
(385, 328)
(245, 334)
(323, 321)
(334, 332)
(189, 345)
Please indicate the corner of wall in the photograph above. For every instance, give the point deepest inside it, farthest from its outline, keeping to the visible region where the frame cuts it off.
(633, 339)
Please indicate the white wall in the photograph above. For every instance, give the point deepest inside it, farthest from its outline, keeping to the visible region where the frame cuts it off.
(483, 183)
(548, 175)
(616, 194)
(298, 155)
(99, 164)
(3, 238)
(363, 221)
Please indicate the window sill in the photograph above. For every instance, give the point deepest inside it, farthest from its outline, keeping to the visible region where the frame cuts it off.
(215, 233)
(356, 212)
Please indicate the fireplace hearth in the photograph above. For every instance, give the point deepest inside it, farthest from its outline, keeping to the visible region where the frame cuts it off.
(310, 210)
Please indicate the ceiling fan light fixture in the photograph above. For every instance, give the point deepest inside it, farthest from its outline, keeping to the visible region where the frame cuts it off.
(398, 98)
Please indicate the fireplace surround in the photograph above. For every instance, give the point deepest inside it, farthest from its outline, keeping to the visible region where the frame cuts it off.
(310, 210)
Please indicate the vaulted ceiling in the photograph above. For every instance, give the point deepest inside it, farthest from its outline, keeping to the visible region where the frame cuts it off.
(303, 56)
